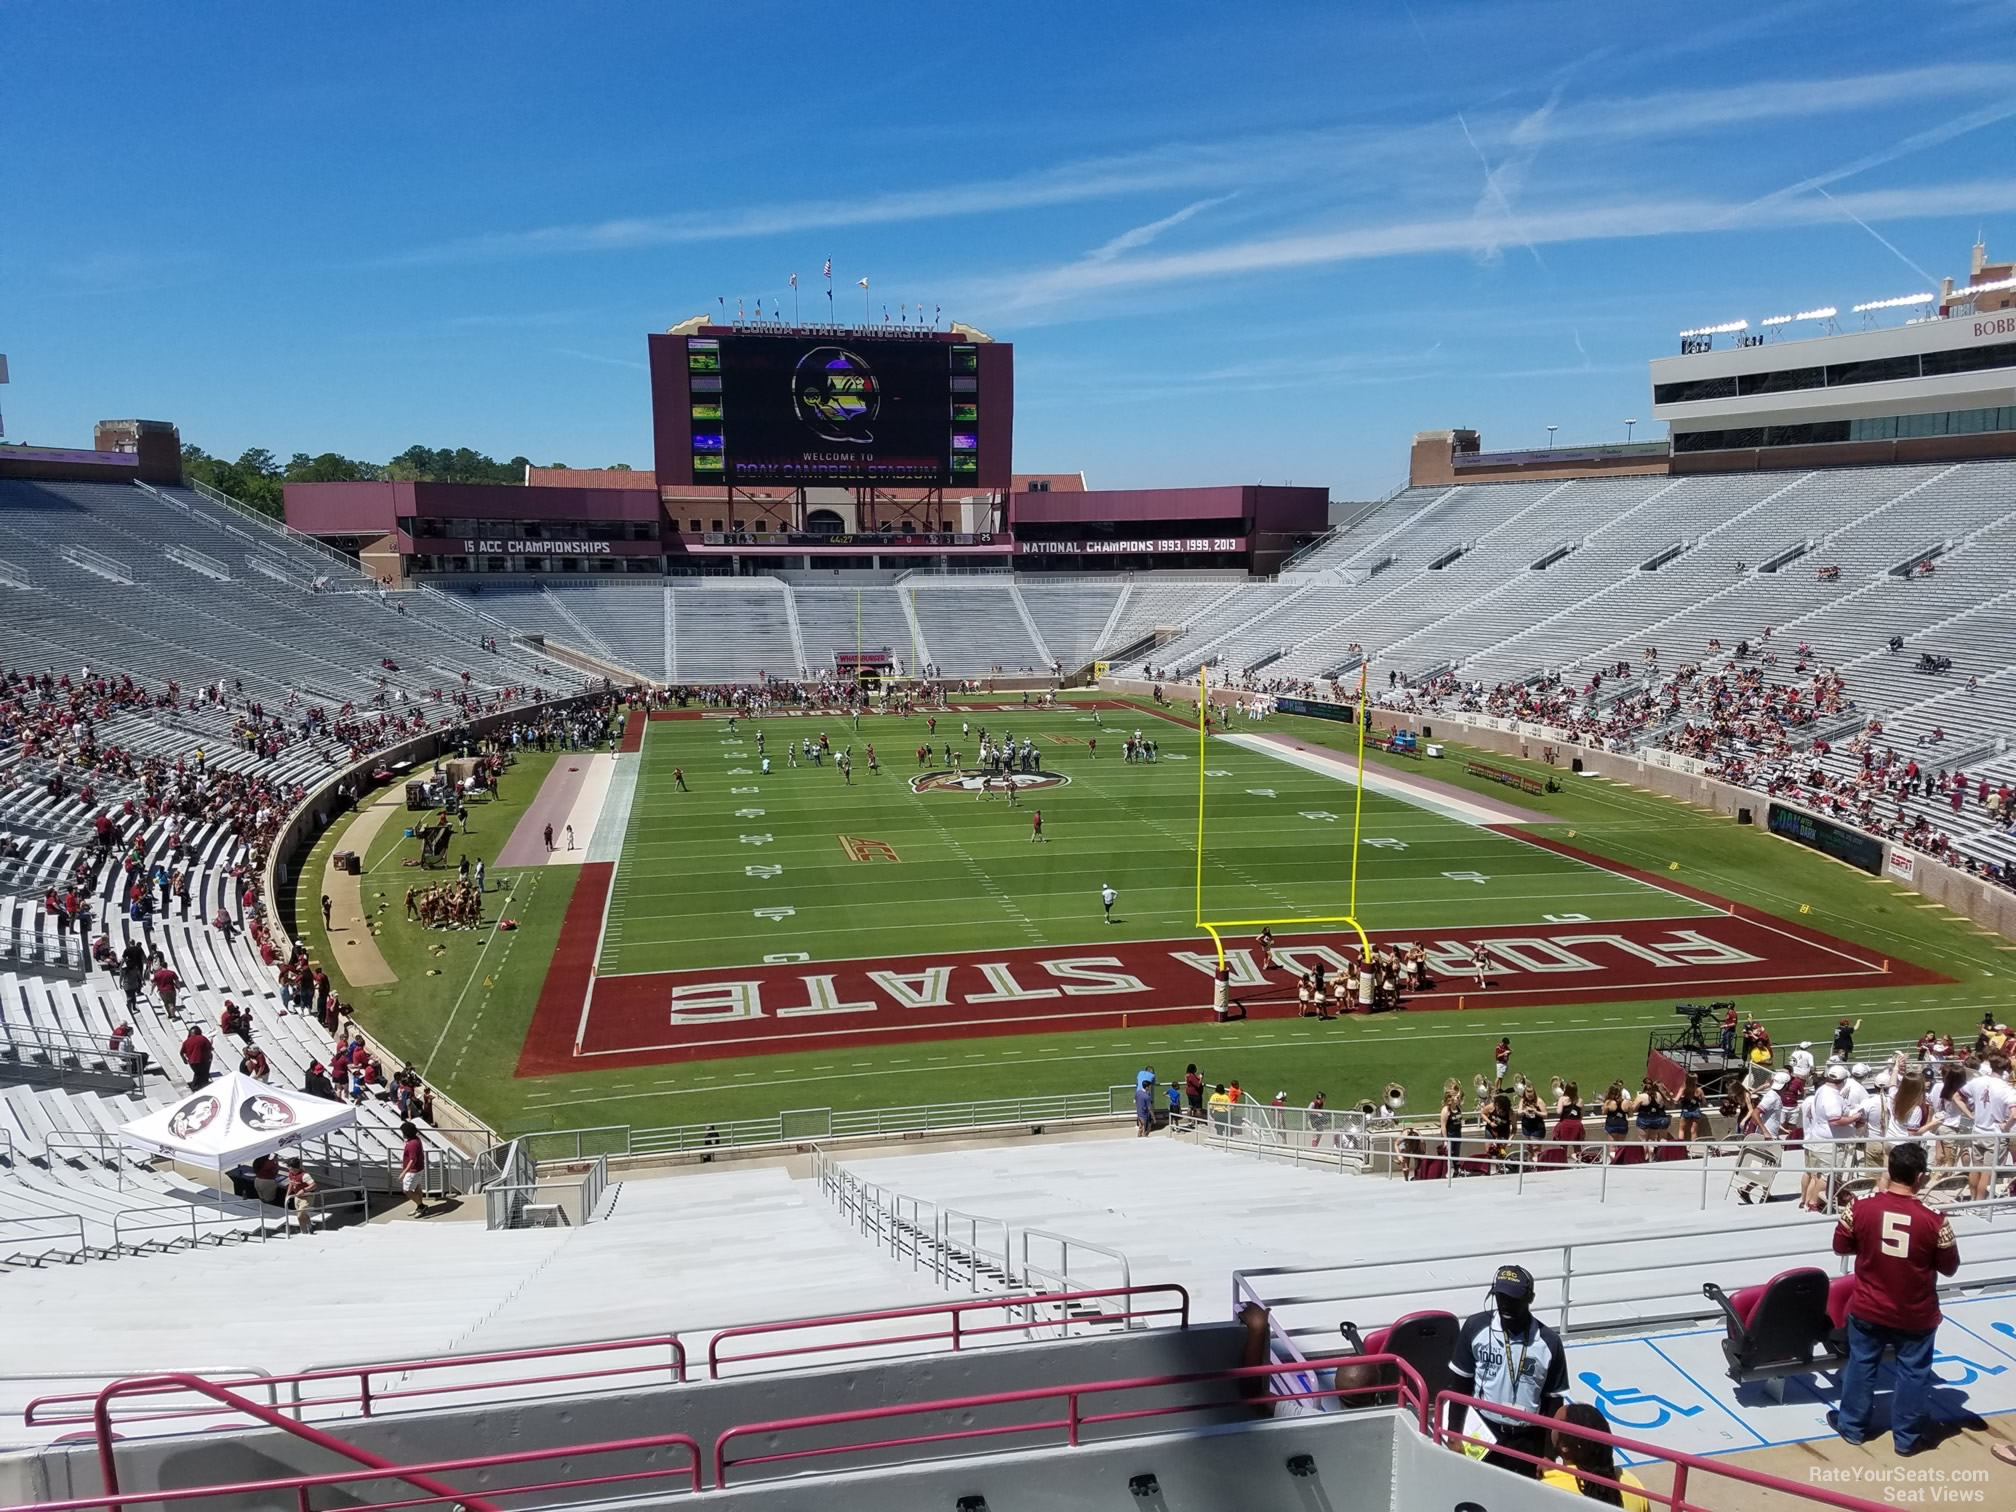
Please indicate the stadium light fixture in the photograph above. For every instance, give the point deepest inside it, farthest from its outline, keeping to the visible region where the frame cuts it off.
(1629, 426)
(1726, 328)
(1550, 436)
(1900, 302)
(1988, 288)
(1826, 312)
(1775, 320)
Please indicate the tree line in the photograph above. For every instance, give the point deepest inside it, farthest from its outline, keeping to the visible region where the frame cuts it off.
(258, 477)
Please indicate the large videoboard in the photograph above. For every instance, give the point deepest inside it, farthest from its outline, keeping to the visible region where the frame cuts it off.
(808, 407)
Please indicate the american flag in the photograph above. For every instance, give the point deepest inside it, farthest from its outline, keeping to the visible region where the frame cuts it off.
(829, 268)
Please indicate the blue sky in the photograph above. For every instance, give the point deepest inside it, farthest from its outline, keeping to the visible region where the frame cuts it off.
(1230, 243)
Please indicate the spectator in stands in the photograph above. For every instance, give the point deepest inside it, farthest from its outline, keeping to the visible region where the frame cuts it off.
(166, 983)
(267, 1183)
(1693, 1121)
(315, 1082)
(196, 1054)
(300, 1192)
(413, 1168)
(1592, 1458)
(1901, 1248)
(253, 1063)
(1507, 1357)
(1989, 1101)
(1616, 1113)
(132, 970)
(1652, 1115)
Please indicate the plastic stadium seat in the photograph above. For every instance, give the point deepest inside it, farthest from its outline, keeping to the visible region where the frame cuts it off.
(1425, 1340)
(1781, 1328)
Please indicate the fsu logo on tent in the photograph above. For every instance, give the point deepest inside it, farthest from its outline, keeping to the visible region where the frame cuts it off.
(976, 782)
(264, 1113)
(194, 1116)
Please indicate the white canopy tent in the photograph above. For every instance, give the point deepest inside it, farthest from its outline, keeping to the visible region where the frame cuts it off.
(233, 1119)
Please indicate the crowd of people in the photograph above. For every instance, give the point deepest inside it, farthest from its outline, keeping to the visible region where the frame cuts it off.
(1819, 1111)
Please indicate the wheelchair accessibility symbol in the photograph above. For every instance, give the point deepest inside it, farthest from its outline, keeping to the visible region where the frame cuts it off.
(1974, 1370)
(1614, 1398)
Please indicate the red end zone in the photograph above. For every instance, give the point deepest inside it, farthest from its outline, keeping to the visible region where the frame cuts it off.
(584, 1022)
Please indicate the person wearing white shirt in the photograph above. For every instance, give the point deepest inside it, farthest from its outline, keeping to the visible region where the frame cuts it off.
(1908, 1115)
(1800, 1061)
(1989, 1100)
(1771, 1115)
(1828, 1122)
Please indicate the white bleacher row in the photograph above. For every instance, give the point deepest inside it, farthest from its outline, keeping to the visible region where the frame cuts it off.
(175, 622)
(213, 964)
(1500, 580)
(712, 630)
(269, 631)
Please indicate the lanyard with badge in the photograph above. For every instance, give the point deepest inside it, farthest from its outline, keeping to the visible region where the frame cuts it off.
(1515, 1369)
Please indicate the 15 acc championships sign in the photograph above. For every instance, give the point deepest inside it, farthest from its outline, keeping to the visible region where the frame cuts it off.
(535, 548)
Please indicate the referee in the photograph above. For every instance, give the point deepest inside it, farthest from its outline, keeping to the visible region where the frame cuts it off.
(1507, 1357)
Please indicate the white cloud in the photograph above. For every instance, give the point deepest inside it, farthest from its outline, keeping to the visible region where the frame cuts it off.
(1372, 161)
(622, 362)
(1611, 221)
(1140, 236)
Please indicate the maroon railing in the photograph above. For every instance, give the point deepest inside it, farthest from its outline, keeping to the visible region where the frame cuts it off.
(1429, 1417)
(44, 1411)
(1683, 1464)
(49, 1411)
(300, 1485)
(108, 1467)
(959, 1332)
(1412, 1393)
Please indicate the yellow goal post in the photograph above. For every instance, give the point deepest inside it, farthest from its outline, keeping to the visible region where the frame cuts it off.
(1216, 927)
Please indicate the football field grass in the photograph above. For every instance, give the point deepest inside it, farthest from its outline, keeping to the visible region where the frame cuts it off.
(465, 1001)
(744, 864)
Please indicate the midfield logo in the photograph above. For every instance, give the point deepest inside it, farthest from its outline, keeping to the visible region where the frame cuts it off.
(974, 782)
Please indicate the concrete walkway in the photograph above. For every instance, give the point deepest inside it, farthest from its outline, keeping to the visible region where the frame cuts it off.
(355, 948)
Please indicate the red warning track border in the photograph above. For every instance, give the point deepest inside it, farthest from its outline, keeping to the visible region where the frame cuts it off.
(584, 1022)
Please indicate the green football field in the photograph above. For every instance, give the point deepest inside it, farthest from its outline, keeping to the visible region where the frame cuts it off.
(706, 874)
(966, 876)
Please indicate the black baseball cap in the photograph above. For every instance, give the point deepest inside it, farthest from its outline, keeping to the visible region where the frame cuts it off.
(1514, 1281)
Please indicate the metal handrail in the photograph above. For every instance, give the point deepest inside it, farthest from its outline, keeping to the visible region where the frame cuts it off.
(1683, 1463)
(101, 1414)
(956, 1334)
(1805, 1239)
(844, 1123)
(1412, 1394)
(70, 1222)
(322, 1200)
(37, 1414)
(300, 1485)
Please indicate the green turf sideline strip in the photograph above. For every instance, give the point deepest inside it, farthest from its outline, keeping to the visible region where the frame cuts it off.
(935, 1065)
(1384, 783)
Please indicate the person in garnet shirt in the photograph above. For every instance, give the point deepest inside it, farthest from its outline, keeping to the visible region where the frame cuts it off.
(1901, 1248)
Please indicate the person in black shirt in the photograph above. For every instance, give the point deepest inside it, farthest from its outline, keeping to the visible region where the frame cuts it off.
(1506, 1356)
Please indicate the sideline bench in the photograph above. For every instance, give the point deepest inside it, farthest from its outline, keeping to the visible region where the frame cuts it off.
(1517, 780)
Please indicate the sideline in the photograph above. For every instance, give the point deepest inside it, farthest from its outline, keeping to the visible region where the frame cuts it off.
(351, 943)
(1424, 793)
